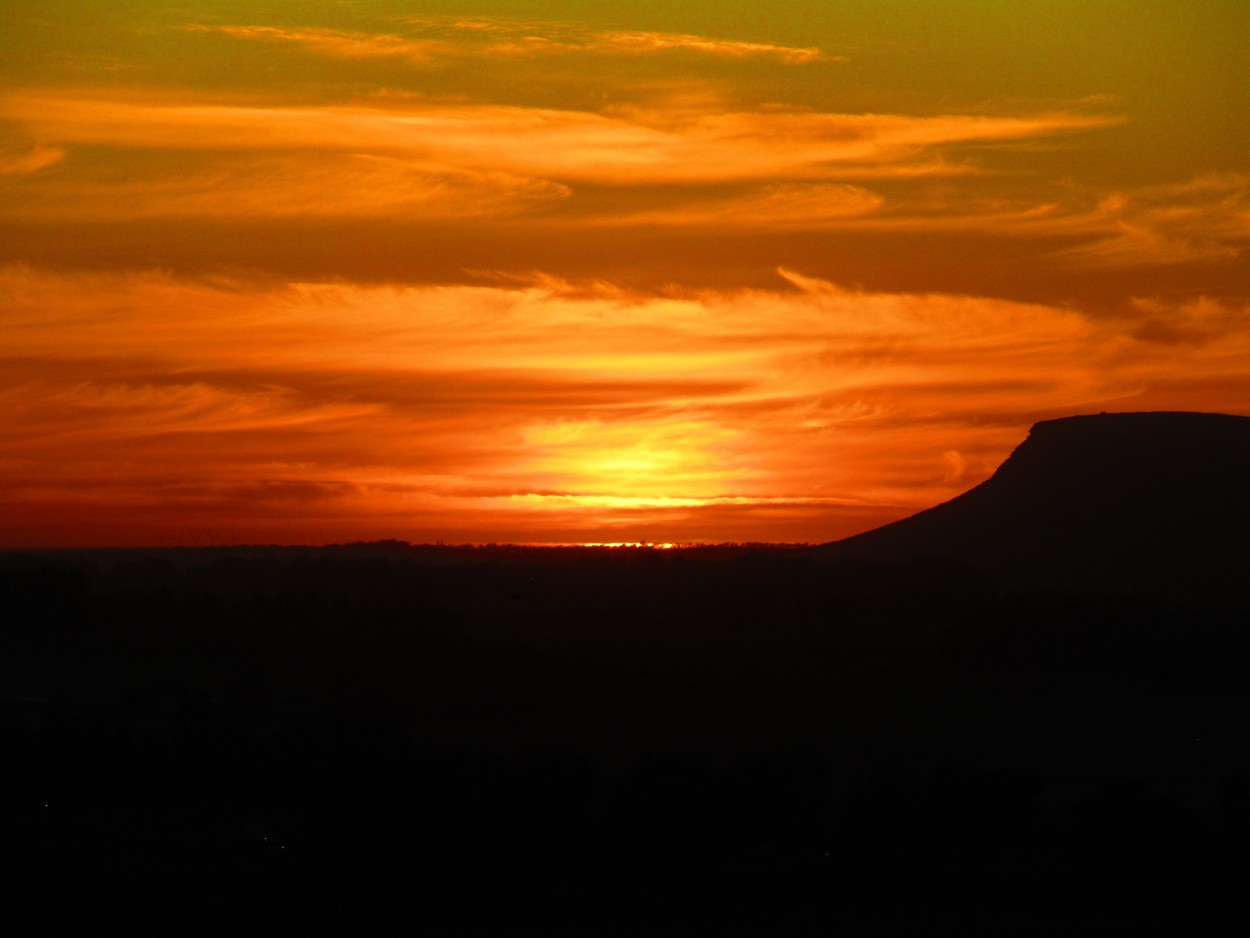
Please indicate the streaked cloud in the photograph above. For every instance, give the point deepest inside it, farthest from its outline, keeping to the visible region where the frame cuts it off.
(811, 205)
(1194, 321)
(336, 42)
(568, 410)
(450, 37)
(282, 186)
(643, 42)
(27, 162)
(344, 270)
(1203, 220)
(464, 161)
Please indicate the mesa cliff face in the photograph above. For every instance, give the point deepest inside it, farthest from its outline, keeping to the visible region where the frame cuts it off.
(1155, 501)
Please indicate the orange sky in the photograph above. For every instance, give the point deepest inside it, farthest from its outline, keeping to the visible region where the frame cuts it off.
(531, 272)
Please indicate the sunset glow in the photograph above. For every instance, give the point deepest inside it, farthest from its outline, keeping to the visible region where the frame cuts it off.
(549, 273)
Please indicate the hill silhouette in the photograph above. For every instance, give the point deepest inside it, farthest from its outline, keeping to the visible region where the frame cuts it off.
(1131, 501)
(870, 737)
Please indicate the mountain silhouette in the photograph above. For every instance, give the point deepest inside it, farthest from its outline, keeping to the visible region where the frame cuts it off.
(1158, 502)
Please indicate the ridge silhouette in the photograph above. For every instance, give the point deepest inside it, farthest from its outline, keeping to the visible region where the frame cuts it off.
(1154, 501)
(375, 739)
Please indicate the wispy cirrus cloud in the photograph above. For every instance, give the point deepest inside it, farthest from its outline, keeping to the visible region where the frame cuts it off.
(642, 43)
(337, 42)
(625, 145)
(285, 186)
(389, 367)
(793, 205)
(29, 161)
(685, 166)
(1194, 321)
(1203, 220)
(562, 409)
(450, 37)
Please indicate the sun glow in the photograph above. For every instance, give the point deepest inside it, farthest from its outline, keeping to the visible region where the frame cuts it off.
(656, 462)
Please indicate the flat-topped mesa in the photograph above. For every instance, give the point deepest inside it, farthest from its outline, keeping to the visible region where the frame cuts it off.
(1139, 500)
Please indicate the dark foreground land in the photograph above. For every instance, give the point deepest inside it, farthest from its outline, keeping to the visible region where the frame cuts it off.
(386, 740)
(1023, 712)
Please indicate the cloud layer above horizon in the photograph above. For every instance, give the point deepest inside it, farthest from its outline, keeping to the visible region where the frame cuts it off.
(495, 276)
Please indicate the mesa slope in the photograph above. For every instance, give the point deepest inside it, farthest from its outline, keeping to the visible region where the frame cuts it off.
(1155, 501)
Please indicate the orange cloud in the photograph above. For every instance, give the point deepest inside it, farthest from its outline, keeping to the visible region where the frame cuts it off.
(418, 159)
(1204, 220)
(627, 145)
(547, 410)
(344, 185)
(1196, 321)
(458, 37)
(337, 42)
(641, 43)
(364, 353)
(31, 161)
(797, 205)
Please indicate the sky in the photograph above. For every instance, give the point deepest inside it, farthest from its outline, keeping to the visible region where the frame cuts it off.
(570, 272)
